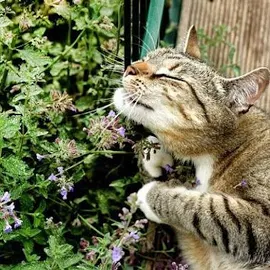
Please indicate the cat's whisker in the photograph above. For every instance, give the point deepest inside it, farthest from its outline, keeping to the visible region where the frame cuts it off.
(115, 65)
(111, 53)
(134, 105)
(125, 97)
(152, 39)
(117, 82)
(144, 44)
(112, 64)
(114, 61)
(95, 110)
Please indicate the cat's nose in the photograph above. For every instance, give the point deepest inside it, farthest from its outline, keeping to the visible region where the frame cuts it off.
(140, 68)
(130, 71)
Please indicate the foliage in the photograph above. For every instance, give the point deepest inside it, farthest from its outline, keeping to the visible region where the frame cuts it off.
(218, 39)
(59, 183)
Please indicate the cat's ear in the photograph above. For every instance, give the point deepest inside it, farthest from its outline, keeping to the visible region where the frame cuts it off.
(243, 91)
(191, 44)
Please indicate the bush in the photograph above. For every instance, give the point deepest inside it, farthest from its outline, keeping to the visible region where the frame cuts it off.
(62, 166)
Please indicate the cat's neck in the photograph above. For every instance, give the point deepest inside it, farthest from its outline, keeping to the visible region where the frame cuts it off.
(196, 143)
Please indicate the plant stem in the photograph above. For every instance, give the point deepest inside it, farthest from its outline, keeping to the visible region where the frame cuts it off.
(5, 73)
(110, 152)
(119, 19)
(97, 152)
(69, 58)
(120, 241)
(118, 40)
(90, 225)
(66, 51)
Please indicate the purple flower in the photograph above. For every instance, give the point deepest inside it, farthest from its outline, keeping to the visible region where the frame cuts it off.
(8, 228)
(39, 157)
(180, 266)
(70, 188)
(140, 224)
(117, 254)
(168, 169)
(125, 211)
(197, 182)
(63, 192)
(52, 177)
(111, 114)
(10, 208)
(244, 183)
(60, 170)
(18, 222)
(121, 131)
(5, 198)
(132, 237)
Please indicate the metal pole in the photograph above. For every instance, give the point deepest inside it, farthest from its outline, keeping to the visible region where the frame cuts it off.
(127, 31)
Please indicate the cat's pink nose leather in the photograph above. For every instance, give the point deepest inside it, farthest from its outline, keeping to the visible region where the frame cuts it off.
(130, 71)
(139, 68)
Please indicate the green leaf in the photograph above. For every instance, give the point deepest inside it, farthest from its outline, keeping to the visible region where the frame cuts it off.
(57, 250)
(62, 9)
(5, 21)
(12, 127)
(38, 220)
(70, 261)
(15, 167)
(89, 159)
(118, 183)
(27, 202)
(9, 125)
(40, 31)
(34, 58)
(42, 207)
(28, 249)
(31, 266)
(29, 232)
(83, 103)
(58, 67)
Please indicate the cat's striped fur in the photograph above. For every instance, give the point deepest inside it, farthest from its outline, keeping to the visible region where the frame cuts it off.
(199, 115)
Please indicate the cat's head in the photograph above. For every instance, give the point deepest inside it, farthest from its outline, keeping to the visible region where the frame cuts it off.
(173, 89)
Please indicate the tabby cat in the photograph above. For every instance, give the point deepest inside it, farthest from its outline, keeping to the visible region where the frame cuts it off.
(198, 115)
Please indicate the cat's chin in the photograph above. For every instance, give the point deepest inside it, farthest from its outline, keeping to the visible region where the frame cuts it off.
(134, 111)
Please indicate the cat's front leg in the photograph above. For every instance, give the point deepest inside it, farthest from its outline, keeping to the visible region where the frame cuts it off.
(143, 204)
(231, 224)
(149, 202)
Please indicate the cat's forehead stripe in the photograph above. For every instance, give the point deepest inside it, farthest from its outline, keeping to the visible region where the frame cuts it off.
(162, 70)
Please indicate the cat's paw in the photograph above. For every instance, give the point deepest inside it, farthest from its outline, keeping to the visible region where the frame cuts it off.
(143, 204)
(156, 158)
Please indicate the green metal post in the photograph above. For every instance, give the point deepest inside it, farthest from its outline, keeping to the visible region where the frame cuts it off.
(152, 29)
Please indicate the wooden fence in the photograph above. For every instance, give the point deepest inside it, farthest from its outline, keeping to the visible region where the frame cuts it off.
(249, 21)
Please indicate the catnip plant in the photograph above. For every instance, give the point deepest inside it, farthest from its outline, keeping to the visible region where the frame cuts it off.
(58, 69)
